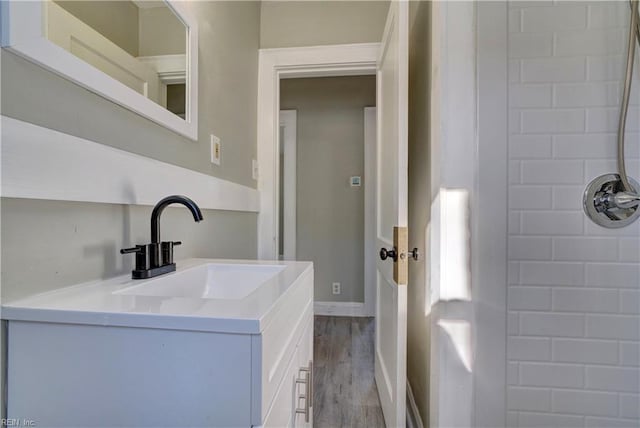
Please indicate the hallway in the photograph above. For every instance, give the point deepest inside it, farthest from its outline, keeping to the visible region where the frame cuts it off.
(344, 385)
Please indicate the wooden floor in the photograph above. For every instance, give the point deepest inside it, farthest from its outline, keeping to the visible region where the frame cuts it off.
(344, 385)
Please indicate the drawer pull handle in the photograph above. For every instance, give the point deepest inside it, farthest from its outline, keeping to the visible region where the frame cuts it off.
(304, 412)
(310, 383)
(309, 371)
(307, 381)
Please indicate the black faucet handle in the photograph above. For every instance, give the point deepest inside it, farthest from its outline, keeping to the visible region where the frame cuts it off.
(142, 255)
(167, 251)
(131, 250)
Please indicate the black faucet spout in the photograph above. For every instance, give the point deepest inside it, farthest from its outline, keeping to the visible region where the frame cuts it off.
(160, 206)
(156, 258)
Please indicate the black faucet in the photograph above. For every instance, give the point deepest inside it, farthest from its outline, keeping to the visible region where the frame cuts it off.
(156, 258)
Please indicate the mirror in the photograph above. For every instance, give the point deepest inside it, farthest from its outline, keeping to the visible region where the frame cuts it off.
(141, 54)
(139, 43)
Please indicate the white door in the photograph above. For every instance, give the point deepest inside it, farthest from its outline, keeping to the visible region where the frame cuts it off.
(391, 216)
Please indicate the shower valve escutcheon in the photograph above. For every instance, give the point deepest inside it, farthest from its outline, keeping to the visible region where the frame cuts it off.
(608, 204)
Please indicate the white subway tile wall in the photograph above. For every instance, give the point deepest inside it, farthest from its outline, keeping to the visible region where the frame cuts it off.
(574, 288)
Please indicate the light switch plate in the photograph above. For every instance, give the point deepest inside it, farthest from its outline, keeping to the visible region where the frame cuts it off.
(254, 169)
(355, 181)
(216, 150)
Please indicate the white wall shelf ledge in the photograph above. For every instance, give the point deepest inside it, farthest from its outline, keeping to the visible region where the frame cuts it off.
(69, 168)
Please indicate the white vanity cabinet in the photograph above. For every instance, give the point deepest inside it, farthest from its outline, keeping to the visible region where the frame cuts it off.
(287, 352)
(295, 392)
(62, 372)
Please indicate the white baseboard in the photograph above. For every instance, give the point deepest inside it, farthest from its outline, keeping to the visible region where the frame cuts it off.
(340, 309)
(40, 163)
(413, 415)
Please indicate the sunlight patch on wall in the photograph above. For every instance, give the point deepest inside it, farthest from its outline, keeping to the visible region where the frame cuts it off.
(451, 241)
(459, 331)
(455, 278)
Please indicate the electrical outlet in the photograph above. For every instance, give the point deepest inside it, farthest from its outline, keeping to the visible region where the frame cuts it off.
(336, 288)
(254, 169)
(216, 150)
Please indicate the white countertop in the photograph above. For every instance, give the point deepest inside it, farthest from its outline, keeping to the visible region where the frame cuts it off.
(94, 303)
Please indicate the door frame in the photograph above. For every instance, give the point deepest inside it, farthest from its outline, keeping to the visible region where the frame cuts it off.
(288, 120)
(288, 63)
(469, 90)
(370, 251)
(489, 268)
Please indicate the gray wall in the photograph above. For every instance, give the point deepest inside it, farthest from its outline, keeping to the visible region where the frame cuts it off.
(140, 32)
(330, 149)
(78, 242)
(48, 244)
(160, 32)
(116, 20)
(418, 318)
(308, 23)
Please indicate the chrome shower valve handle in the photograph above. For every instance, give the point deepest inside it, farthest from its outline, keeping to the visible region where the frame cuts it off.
(623, 200)
(608, 204)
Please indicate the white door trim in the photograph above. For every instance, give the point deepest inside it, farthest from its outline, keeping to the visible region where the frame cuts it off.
(276, 64)
(469, 152)
(340, 309)
(489, 242)
(288, 119)
(370, 132)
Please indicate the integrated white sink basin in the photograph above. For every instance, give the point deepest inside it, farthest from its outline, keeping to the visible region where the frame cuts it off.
(208, 281)
(214, 295)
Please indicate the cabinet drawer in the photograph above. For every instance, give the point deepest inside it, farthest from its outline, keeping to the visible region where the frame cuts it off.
(282, 412)
(274, 348)
(304, 355)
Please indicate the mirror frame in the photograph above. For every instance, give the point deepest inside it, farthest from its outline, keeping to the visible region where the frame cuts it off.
(23, 26)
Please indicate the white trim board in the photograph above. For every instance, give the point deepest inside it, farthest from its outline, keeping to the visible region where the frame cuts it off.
(339, 309)
(452, 164)
(170, 68)
(40, 163)
(286, 63)
(469, 151)
(370, 253)
(288, 146)
(489, 243)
